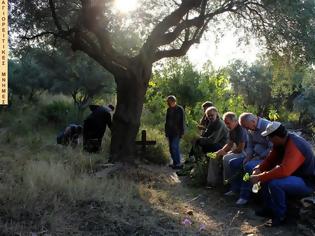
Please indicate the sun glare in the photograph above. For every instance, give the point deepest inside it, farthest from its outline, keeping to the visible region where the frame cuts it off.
(125, 6)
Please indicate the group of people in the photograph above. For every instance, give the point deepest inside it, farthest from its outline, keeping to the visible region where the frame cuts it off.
(93, 129)
(277, 161)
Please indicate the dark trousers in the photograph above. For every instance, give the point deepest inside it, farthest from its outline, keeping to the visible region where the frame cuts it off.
(204, 147)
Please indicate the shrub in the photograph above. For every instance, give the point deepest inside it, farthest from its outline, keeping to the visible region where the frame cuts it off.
(199, 172)
(57, 113)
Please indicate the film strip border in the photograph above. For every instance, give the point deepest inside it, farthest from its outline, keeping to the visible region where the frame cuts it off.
(4, 52)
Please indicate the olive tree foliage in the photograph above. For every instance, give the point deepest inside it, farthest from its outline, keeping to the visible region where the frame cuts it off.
(304, 103)
(253, 82)
(165, 29)
(73, 74)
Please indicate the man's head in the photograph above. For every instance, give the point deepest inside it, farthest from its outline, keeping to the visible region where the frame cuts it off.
(248, 121)
(212, 113)
(230, 120)
(206, 105)
(171, 101)
(276, 132)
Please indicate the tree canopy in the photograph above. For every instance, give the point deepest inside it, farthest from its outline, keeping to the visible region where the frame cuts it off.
(128, 45)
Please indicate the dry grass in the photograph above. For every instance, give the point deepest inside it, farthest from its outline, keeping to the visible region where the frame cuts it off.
(52, 190)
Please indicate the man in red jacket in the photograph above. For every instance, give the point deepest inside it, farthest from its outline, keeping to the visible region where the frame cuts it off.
(289, 169)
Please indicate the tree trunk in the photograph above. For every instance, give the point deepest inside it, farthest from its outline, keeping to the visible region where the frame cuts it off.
(131, 90)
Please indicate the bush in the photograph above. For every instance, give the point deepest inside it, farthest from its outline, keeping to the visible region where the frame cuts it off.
(199, 172)
(57, 113)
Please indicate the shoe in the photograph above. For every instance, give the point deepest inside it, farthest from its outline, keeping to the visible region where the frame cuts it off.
(264, 212)
(241, 201)
(275, 221)
(171, 165)
(230, 193)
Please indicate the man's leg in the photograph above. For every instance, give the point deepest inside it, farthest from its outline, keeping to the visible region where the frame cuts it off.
(211, 147)
(236, 167)
(246, 185)
(170, 145)
(176, 151)
(226, 167)
(275, 196)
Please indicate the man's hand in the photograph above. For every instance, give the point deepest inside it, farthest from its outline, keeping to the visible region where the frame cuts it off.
(254, 179)
(201, 127)
(221, 153)
(256, 172)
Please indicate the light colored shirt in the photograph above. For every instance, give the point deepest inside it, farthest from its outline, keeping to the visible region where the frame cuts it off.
(257, 145)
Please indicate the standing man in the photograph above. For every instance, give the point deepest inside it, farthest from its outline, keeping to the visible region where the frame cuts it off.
(95, 126)
(174, 129)
(237, 136)
(289, 169)
(257, 148)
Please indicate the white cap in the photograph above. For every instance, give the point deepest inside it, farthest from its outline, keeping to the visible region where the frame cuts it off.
(271, 127)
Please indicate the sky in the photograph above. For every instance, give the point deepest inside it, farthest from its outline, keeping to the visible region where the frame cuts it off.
(222, 52)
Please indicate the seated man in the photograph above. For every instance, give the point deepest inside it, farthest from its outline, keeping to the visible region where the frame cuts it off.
(289, 169)
(237, 136)
(95, 126)
(215, 135)
(257, 148)
(204, 121)
(70, 135)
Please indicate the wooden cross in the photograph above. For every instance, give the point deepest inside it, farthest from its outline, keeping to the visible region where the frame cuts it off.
(144, 141)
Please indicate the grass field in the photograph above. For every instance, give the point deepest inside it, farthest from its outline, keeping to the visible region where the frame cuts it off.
(47, 189)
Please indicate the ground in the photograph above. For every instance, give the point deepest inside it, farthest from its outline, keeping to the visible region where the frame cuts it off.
(46, 189)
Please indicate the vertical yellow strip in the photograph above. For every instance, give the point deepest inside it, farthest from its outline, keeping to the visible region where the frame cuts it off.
(4, 52)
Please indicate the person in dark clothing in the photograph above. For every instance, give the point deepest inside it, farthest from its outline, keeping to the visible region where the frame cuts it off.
(215, 135)
(95, 126)
(70, 135)
(174, 129)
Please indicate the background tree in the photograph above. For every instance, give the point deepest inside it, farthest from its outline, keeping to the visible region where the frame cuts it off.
(168, 29)
(253, 82)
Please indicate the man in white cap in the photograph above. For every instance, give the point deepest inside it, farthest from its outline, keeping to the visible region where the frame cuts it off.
(289, 169)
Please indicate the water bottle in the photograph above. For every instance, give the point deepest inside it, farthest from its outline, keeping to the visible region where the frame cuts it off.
(256, 187)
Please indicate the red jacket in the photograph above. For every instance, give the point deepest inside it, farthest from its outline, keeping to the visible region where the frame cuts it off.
(296, 157)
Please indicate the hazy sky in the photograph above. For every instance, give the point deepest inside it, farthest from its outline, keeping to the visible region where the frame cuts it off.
(222, 52)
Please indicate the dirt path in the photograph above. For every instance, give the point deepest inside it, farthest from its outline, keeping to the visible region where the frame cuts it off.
(208, 212)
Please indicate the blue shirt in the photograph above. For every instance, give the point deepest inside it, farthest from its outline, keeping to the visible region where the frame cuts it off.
(255, 139)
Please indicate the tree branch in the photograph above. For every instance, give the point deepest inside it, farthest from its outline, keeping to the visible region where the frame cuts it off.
(54, 15)
(171, 20)
(39, 35)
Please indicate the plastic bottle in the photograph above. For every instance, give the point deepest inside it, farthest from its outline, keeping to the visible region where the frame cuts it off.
(256, 187)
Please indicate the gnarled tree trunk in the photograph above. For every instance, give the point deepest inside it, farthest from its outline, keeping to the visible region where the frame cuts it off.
(131, 90)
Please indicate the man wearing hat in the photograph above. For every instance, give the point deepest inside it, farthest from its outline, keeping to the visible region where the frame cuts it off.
(289, 169)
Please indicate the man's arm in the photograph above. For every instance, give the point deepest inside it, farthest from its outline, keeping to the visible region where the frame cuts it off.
(267, 151)
(227, 147)
(239, 148)
(249, 147)
(292, 160)
(166, 121)
(182, 121)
